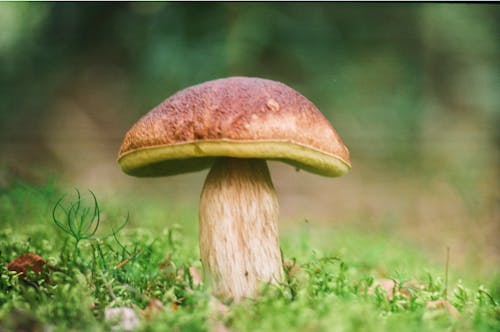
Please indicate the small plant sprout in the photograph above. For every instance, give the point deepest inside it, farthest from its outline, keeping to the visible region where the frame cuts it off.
(77, 220)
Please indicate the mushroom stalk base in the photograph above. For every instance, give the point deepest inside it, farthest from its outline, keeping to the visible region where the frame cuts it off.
(239, 242)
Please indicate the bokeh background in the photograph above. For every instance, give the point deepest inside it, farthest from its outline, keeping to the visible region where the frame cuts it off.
(413, 89)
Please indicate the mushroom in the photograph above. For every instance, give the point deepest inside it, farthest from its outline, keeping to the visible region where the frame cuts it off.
(232, 125)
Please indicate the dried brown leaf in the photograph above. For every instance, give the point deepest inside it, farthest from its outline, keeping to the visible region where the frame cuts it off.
(219, 311)
(392, 287)
(153, 307)
(292, 268)
(443, 305)
(27, 262)
(196, 275)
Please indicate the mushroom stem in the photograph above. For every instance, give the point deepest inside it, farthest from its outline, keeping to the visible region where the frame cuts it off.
(239, 242)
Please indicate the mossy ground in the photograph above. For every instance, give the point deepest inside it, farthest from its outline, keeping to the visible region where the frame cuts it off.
(332, 275)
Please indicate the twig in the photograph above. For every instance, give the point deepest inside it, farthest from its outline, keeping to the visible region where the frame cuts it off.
(446, 274)
(128, 259)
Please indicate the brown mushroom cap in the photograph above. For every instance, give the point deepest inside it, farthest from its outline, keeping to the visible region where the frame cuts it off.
(238, 117)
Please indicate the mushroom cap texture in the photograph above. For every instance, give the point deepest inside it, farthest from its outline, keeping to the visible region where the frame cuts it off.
(240, 117)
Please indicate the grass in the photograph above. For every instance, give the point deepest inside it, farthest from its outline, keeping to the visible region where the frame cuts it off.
(98, 258)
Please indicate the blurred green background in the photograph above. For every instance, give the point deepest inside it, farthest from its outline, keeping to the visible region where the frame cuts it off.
(413, 90)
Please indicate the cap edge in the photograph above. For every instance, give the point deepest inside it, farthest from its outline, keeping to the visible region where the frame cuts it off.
(141, 162)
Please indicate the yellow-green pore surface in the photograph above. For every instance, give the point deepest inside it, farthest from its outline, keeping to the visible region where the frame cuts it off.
(165, 160)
